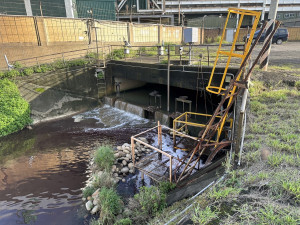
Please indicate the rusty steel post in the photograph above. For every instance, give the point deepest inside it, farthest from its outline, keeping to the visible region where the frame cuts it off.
(159, 132)
(132, 151)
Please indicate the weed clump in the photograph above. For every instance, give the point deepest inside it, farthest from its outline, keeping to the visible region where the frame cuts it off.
(166, 187)
(104, 157)
(204, 216)
(125, 221)
(151, 200)
(110, 204)
(88, 191)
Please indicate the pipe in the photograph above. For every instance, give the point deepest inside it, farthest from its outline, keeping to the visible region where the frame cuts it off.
(242, 141)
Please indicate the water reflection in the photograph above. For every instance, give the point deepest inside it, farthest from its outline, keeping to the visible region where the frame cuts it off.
(42, 170)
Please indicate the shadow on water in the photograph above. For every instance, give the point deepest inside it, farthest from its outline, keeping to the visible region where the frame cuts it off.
(43, 169)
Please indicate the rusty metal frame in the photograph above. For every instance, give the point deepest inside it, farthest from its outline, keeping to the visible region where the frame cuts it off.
(158, 151)
(230, 94)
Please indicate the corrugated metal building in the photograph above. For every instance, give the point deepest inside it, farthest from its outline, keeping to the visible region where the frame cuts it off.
(98, 9)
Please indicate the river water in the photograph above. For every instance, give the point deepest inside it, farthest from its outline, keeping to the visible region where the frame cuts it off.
(43, 170)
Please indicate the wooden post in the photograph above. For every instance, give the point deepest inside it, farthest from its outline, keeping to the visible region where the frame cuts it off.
(159, 140)
(132, 151)
(142, 176)
(174, 136)
(170, 169)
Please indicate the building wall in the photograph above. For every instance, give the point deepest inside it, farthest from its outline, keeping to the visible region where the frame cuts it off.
(101, 9)
(12, 7)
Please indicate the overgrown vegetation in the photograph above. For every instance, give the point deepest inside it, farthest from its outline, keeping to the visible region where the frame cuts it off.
(111, 205)
(151, 200)
(21, 70)
(14, 110)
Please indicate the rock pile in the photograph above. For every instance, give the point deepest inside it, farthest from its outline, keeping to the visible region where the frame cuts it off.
(122, 166)
(123, 158)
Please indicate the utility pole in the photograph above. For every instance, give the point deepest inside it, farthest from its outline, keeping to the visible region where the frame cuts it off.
(264, 61)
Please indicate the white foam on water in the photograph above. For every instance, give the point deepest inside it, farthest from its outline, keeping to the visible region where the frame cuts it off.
(110, 118)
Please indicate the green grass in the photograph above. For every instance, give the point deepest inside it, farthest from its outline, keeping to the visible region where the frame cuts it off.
(110, 204)
(125, 221)
(88, 191)
(104, 157)
(21, 70)
(151, 200)
(40, 90)
(205, 216)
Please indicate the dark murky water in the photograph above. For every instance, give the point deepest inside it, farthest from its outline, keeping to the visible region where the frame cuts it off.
(42, 170)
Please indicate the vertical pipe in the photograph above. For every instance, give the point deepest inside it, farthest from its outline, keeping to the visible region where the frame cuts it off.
(168, 100)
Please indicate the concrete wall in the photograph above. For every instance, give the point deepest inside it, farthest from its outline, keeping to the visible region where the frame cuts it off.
(59, 93)
(181, 76)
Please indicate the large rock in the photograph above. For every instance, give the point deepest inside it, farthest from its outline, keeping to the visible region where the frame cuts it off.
(126, 159)
(130, 166)
(124, 162)
(116, 155)
(119, 147)
(125, 170)
(128, 156)
(126, 151)
(89, 205)
(95, 194)
(96, 201)
(95, 209)
(143, 140)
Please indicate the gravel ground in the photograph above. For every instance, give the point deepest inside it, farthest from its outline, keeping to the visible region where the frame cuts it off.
(286, 54)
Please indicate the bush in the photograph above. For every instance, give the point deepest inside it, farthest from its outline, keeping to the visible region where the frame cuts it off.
(105, 180)
(118, 54)
(88, 191)
(111, 205)
(166, 187)
(125, 221)
(14, 110)
(28, 71)
(151, 200)
(77, 62)
(45, 68)
(58, 64)
(17, 65)
(104, 157)
(12, 73)
(2, 75)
